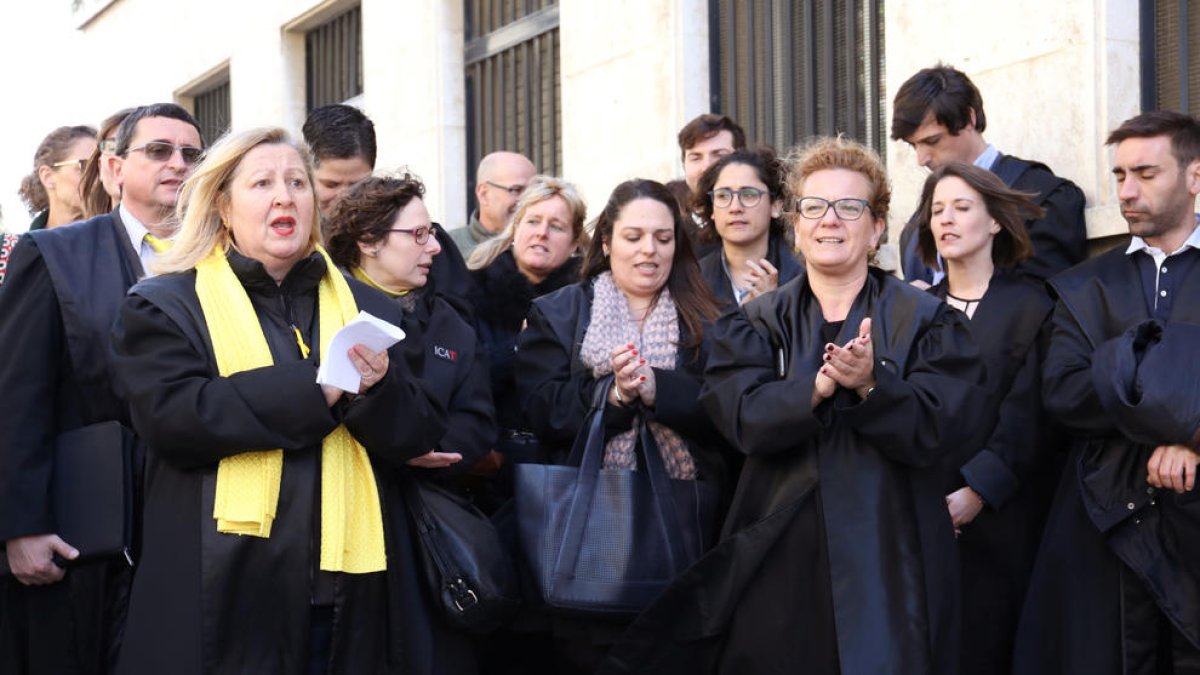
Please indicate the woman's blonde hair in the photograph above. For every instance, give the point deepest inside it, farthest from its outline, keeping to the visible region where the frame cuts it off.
(206, 192)
(539, 190)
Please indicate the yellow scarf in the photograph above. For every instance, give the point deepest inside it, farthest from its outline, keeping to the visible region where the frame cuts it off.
(361, 274)
(248, 483)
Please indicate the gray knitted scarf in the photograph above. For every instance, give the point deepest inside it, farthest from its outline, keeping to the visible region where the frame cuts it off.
(657, 340)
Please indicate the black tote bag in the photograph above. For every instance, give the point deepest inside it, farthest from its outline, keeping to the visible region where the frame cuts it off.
(606, 541)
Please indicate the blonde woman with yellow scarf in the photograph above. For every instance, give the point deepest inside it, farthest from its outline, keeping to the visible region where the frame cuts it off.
(274, 539)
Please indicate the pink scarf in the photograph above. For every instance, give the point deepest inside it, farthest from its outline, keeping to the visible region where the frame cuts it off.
(657, 341)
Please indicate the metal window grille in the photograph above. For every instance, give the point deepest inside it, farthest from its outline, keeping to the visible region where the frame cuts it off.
(513, 82)
(1170, 31)
(787, 70)
(212, 112)
(333, 60)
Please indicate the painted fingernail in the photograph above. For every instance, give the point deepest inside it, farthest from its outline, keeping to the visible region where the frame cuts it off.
(826, 357)
(642, 378)
(628, 346)
(635, 352)
(642, 361)
(829, 347)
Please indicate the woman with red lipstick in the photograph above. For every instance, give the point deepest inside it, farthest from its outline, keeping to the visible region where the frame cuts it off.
(742, 197)
(380, 231)
(639, 315)
(843, 389)
(998, 485)
(274, 538)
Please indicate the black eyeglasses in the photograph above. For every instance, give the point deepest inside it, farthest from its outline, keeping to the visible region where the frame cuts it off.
(815, 207)
(419, 234)
(161, 151)
(514, 190)
(68, 162)
(748, 196)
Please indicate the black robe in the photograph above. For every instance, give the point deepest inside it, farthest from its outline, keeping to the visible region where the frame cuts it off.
(1059, 237)
(502, 300)
(207, 602)
(1008, 462)
(1108, 530)
(63, 290)
(713, 269)
(457, 374)
(865, 473)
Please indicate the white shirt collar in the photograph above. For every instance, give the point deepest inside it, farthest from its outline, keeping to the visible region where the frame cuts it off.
(133, 227)
(1136, 244)
(988, 158)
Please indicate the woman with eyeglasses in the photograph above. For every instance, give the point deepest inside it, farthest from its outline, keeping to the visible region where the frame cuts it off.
(51, 191)
(274, 538)
(845, 390)
(535, 254)
(742, 197)
(998, 485)
(98, 187)
(380, 231)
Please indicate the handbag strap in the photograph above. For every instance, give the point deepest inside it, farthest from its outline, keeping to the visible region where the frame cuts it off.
(660, 486)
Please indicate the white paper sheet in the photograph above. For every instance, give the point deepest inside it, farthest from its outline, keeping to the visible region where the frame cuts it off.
(367, 330)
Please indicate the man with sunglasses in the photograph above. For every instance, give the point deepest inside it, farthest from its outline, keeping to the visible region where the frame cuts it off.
(500, 178)
(62, 293)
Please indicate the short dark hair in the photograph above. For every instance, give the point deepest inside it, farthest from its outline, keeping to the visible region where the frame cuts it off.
(1008, 207)
(691, 295)
(946, 92)
(1183, 130)
(766, 166)
(706, 126)
(340, 131)
(129, 124)
(366, 213)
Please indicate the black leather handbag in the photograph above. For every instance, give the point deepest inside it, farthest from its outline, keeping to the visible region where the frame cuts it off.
(606, 541)
(467, 569)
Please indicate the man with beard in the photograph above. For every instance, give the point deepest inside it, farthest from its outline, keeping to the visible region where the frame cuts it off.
(1116, 588)
(62, 293)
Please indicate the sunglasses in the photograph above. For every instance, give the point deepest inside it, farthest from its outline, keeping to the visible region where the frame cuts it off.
(68, 162)
(161, 151)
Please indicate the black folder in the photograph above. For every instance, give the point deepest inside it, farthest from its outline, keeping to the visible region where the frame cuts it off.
(91, 491)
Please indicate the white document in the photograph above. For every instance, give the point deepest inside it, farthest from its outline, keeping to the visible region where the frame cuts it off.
(366, 330)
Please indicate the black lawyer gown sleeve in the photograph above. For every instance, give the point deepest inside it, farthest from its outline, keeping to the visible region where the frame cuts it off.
(33, 372)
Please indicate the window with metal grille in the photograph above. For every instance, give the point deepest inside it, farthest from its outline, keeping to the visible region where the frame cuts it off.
(787, 70)
(212, 112)
(513, 83)
(333, 60)
(1170, 32)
